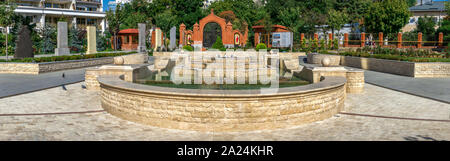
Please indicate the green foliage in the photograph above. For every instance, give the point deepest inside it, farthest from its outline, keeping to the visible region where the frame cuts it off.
(303, 44)
(445, 29)
(411, 2)
(322, 44)
(260, 46)
(76, 37)
(330, 44)
(426, 25)
(410, 55)
(48, 41)
(68, 57)
(447, 7)
(7, 13)
(218, 44)
(336, 19)
(314, 45)
(447, 54)
(386, 16)
(101, 41)
(188, 48)
(336, 44)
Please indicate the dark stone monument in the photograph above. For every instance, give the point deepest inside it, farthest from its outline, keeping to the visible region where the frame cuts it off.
(24, 45)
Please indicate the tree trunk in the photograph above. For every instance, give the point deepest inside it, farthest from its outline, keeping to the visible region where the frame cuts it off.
(6, 46)
(115, 41)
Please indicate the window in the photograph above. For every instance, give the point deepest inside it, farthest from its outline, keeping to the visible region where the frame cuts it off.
(91, 9)
(81, 21)
(91, 21)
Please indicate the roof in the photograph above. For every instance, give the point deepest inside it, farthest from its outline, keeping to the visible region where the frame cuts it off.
(273, 26)
(129, 31)
(429, 6)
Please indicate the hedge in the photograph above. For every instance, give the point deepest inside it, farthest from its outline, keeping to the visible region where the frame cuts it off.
(66, 57)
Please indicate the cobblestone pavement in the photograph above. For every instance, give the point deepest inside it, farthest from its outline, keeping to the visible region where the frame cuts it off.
(435, 88)
(13, 84)
(99, 125)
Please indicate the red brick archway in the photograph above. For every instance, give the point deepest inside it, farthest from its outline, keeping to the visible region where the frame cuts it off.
(197, 31)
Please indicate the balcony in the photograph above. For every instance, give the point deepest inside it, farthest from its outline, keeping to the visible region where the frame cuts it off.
(59, 1)
(90, 1)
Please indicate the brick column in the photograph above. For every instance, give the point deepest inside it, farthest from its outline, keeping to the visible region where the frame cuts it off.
(419, 40)
(380, 39)
(256, 38)
(316, 37)
(363, 39)
(399, 39)
(441, 39)
(302, 37)
(345, 39)
(182, 36)
(330, 38)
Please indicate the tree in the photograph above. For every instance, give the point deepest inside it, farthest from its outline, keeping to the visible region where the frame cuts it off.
(165, 21)
(49, 35)
(386, 16)
(292, 18)
(218, 44)
(426, 25)
(411, 2)
(7, 19)
(75, 39)
(336, 19)
(445, 25)
(115, 18)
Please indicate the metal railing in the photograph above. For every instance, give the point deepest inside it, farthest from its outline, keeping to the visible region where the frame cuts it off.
(92, 1)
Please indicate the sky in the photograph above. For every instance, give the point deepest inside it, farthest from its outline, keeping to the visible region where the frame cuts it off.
(105, 4)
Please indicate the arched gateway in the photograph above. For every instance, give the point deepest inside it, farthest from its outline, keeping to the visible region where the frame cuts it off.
(194, 37)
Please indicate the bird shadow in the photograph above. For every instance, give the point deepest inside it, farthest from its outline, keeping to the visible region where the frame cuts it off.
(420, 138)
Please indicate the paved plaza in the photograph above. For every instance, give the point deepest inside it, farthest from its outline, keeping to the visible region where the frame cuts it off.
(76, 114)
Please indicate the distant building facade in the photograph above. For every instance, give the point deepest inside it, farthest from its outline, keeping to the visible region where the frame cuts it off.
(79, 13)
(435, 9)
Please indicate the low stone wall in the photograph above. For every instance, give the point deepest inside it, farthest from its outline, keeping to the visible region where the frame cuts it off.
(37, 68)
(226, 110)
(355, 78)
(435, 69)
(128, 73)
(72, 64)
(411, 69)
(380, 65)
(314, 58)
(19, 68)
(138, 58)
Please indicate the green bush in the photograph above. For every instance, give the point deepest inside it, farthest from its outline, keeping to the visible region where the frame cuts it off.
(67, 57)
(188, 48)
(398, 55)
(322, 44)
(314, 45)
(218, 44)
(336, 44)
(260, 46)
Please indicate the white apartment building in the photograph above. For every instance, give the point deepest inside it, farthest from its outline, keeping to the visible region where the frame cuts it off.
(79, 13)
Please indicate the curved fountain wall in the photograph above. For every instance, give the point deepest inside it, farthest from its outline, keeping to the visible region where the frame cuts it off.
(222, 110)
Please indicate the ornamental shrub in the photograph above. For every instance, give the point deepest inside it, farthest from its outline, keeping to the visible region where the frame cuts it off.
(260, 46)
(218, 44)
(336, 44)
(188, 48)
